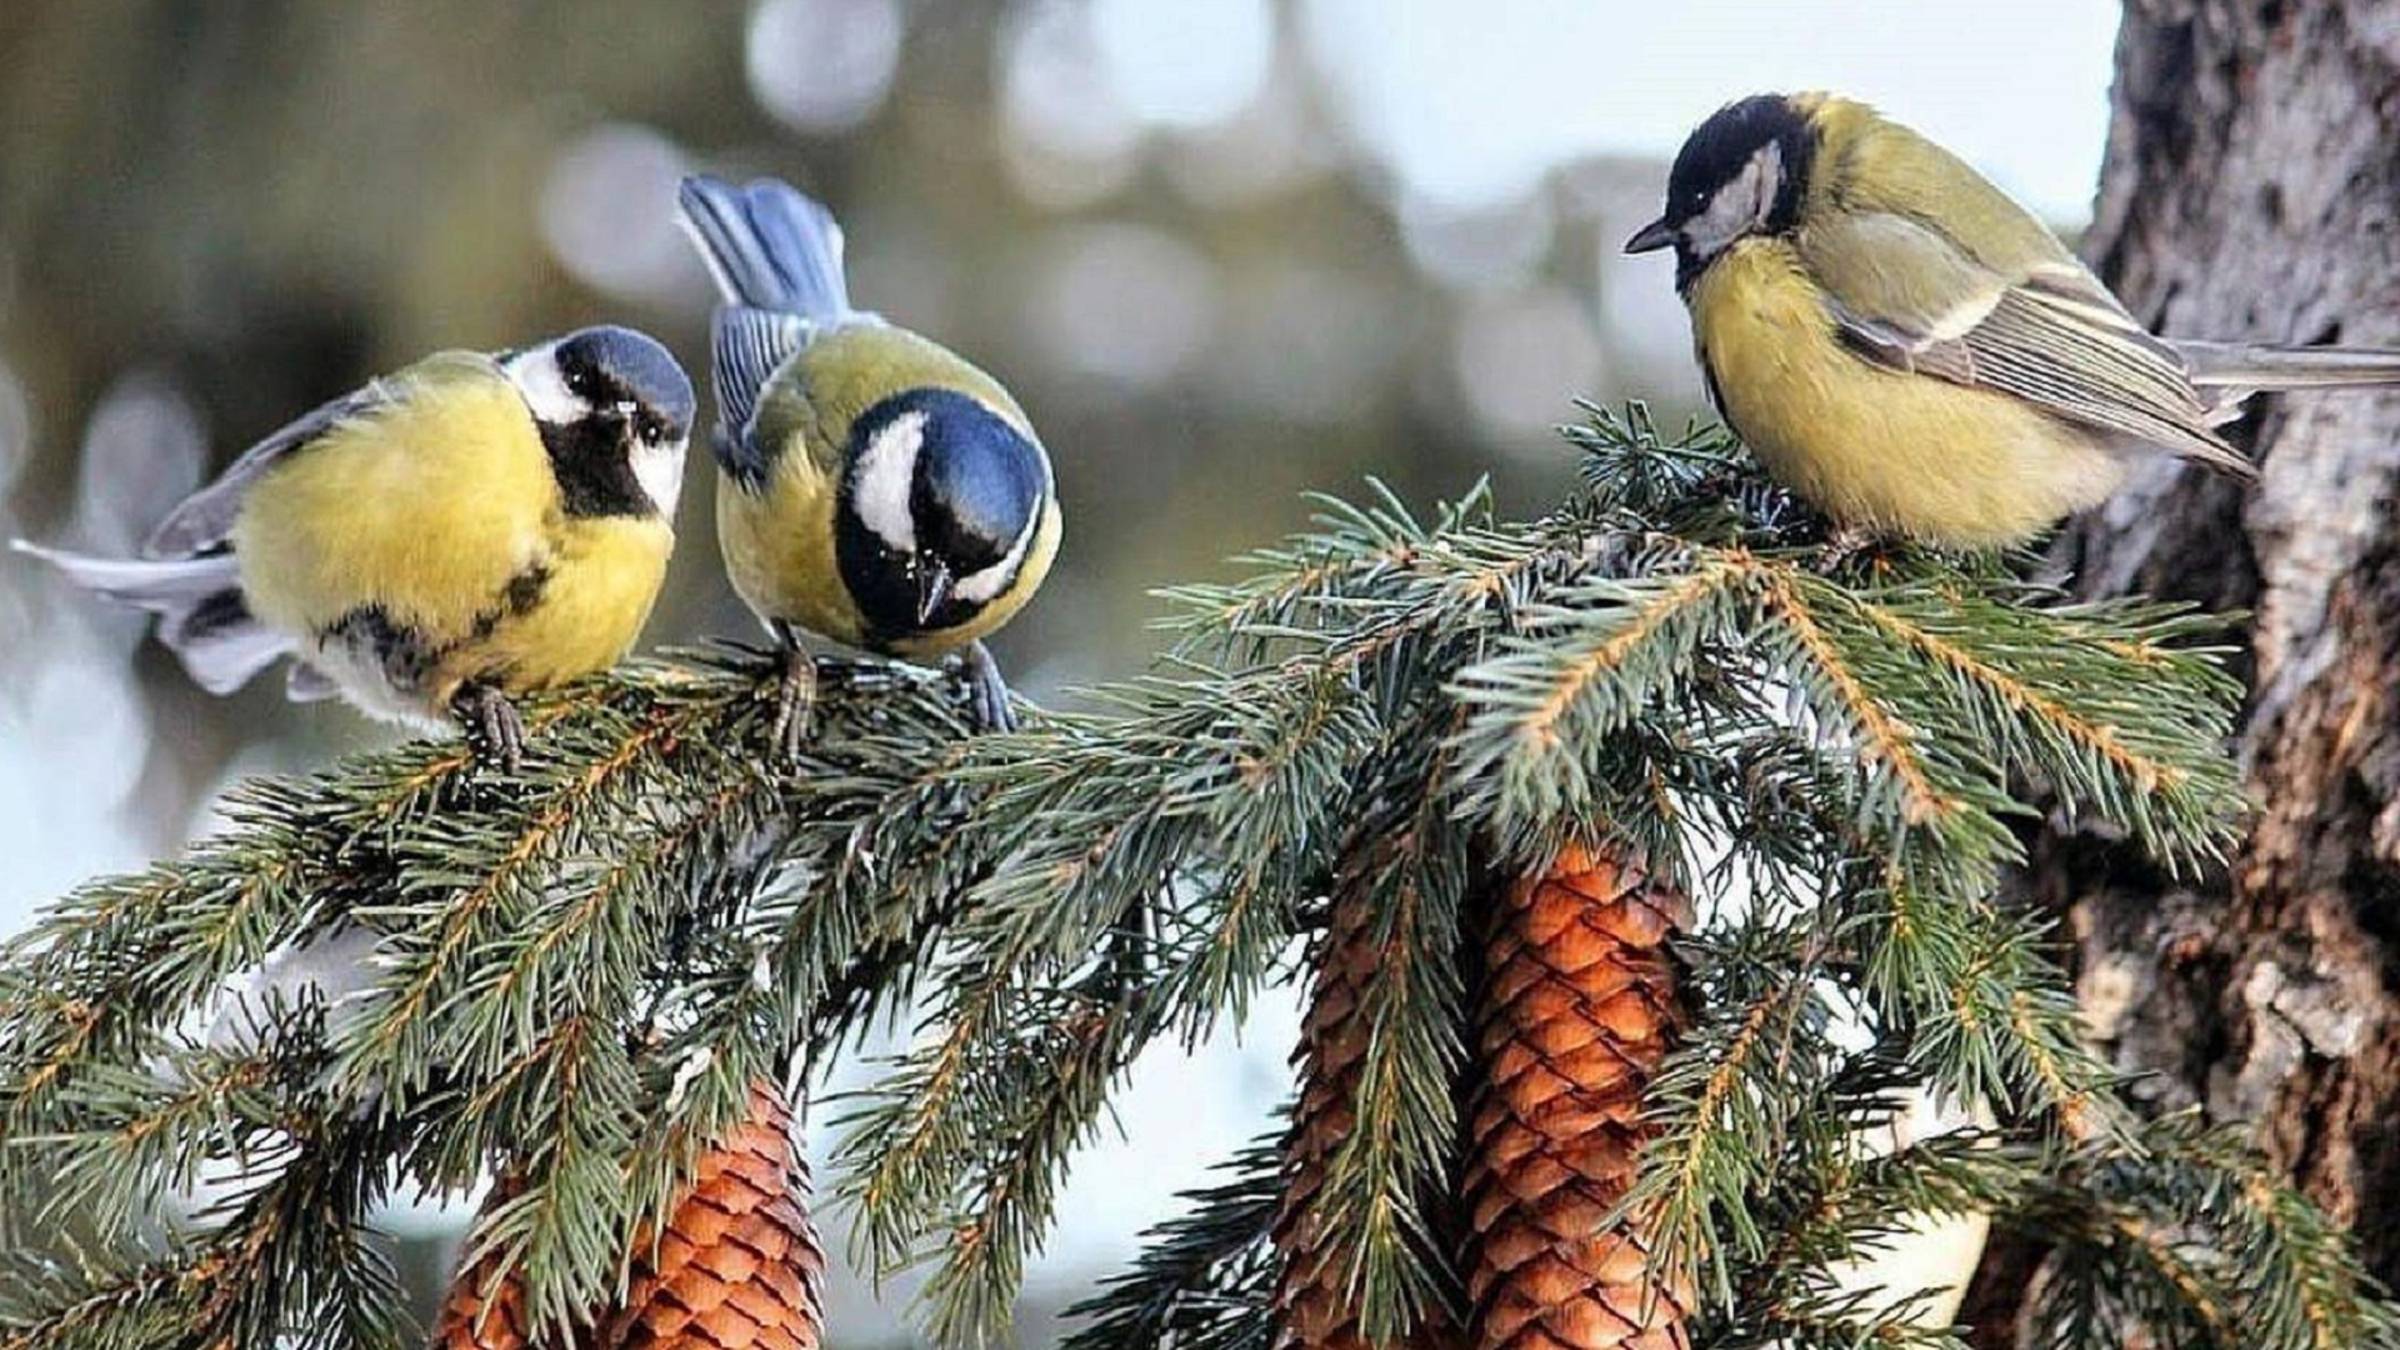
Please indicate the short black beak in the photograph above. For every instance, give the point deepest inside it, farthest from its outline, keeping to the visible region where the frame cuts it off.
(933, 587)
(1651, 237)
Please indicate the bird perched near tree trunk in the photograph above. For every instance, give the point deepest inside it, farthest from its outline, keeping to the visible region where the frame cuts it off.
(1912, 351)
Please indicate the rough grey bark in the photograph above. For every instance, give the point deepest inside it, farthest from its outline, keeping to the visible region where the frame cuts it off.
(2252, 190)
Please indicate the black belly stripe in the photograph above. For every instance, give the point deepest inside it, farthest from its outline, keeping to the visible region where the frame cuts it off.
(517, 599)
(400, 651)
(407, 657)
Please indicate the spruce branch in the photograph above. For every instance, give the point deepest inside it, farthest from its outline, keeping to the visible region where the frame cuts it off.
(582, 970)
(536, 1043)
(2183, 1229)
(1586, 666)
(1129, 811)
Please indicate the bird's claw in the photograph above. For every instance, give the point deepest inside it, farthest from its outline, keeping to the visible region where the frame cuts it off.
(987, 691)
(795, 702)
(1847, 545)
(495, 732)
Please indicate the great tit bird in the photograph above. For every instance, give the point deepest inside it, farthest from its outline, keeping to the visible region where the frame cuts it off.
(873, 488)
(1912, 351)
(471, 527)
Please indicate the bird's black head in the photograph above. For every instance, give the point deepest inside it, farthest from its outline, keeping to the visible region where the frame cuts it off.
(940, 499)
(615, 412)
(1744, 171)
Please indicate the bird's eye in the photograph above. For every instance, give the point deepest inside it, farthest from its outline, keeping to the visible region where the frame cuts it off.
(652, 431)
(579, 382)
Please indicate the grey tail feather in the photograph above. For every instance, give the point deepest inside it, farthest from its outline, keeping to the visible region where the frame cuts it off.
(2254, 366)
(203, 618)
(768, 245)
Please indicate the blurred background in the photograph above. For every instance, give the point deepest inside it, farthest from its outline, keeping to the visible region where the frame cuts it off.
(1225, 251)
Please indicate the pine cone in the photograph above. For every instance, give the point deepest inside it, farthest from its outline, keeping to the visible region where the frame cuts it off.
(1578, 1010)
(737, 1267)
(1312, 1303)
(470, 1321)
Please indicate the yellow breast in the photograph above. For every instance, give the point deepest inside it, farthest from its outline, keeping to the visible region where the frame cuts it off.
(427, 507)
(1888, 451)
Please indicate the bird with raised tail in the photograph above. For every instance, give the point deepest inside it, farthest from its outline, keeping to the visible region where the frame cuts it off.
(873, 488)
(473, 527)
(1917, 355)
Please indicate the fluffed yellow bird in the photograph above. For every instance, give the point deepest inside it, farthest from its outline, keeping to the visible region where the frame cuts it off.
(472, 527)
(874, 488)
(1913, 352)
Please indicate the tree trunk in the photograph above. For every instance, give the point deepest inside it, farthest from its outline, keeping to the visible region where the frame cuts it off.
(2252, 190)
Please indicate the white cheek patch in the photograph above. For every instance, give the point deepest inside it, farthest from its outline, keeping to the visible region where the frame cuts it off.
(659, 469)
(981, 585)
(544, 386)
(1740, 206)
(887, 476)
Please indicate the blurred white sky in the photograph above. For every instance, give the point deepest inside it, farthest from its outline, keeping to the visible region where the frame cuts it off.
(1469, 100)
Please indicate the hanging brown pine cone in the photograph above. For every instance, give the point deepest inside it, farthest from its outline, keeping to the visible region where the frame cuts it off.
(1313, 1307)
(738, 1266)
(472, 1321)
(471, 1318)
(1577, 1011)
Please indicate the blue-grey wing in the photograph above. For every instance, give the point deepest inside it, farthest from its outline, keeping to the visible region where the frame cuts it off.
(747, 347)
(203, 520)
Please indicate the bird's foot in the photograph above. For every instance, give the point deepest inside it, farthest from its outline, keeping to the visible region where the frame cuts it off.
(795, 702)
(987, 690)
(495, 732)
(1848, 544)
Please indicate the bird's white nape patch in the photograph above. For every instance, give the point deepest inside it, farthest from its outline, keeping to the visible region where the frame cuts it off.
(887, 477)
(984, 584)
(1740, 206)
(659, 469)
(543, 386)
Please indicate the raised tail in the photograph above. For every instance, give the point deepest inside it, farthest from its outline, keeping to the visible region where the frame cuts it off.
(203, 618)
(2254, 366)
(768, 245)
